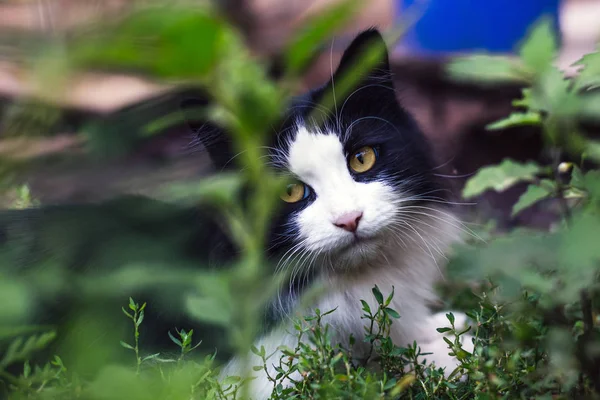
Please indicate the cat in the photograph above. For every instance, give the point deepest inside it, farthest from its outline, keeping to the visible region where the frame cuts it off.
(365, 208)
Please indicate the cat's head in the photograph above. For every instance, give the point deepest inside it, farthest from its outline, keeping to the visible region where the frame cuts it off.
(362, 172)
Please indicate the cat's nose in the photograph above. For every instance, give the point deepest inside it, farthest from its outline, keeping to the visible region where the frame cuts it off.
(349, 221)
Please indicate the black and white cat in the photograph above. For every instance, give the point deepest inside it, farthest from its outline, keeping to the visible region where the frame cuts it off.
(365, 209)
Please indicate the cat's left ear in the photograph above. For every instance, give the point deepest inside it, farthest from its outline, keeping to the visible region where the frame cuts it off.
(367, 56)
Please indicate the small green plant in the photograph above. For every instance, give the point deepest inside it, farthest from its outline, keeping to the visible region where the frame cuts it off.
(136, 318)
(184, 341)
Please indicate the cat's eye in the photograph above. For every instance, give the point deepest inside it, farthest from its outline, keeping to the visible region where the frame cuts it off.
(363, 159)
(295, 192)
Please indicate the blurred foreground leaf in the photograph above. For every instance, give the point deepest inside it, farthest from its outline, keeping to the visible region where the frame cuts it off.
(164, 41)
(516, 119)
(500, 177)
(539, 49)
(532, 195)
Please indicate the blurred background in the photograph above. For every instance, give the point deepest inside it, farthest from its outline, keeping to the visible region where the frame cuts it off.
(452, 115)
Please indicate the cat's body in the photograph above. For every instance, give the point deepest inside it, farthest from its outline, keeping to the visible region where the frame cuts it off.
(364, 208)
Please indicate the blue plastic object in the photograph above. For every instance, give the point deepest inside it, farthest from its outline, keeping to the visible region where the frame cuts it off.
(458, 26)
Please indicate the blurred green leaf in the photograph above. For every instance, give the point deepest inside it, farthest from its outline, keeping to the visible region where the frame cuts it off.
(528, 101)
(589, 75)
(579, 249)
(487, 69)
(220, 189)
(508, 261)
(168, 42)
(590, 106)
(16, 299)
(125, 345)
(540, 48)
(517, 119)
(208, 309)
(532, 195)
(21, 349)
(499, 177)
(310, 40)
(593, 150)
(591, 182)
(557, 95)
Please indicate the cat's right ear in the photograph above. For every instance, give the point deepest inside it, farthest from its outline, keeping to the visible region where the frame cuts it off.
(214, 139)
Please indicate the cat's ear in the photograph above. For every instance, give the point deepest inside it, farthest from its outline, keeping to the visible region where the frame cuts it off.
(367, 56)
(214, 139)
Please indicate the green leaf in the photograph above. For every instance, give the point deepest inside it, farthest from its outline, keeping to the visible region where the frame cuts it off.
(532, 195)
(127, 346)
(150, 357)
(126, 313)
(390, 297)
(377, 294)
(528, 101)
(487, 69)
(231, 380)
(140, 319)
(208, 309)
(366, 307)
(21, 349)
(593, 150)
(309, 41)
(589, 75)
(391, 312)
(168, 42)
(499, 177)
(557, 94)
(26, 369)
(220, 189)
(174, 339)
(579, 255)
(591, 181)
(540, 47)
(577, 178)
(516, 119)
(443, 330)
(132, 305)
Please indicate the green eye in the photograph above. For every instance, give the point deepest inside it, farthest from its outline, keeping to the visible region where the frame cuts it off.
(363, 159)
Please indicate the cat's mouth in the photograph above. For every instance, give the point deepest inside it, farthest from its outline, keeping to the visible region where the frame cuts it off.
(357, 241)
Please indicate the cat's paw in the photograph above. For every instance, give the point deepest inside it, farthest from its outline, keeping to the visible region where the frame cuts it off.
(441, 357)
(440, 348)
(440, 320)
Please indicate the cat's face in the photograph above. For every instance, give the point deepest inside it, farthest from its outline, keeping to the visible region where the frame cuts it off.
(361, 172)
(360, 175)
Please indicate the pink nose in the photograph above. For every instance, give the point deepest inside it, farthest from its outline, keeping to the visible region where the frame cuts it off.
(349, 222)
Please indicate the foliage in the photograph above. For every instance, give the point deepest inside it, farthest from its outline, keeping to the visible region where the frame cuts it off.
(534, 312)
(556, 270)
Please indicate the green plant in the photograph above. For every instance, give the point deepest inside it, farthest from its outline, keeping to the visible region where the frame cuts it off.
(535, 324)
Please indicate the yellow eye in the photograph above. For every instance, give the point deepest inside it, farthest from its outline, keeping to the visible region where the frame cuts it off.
(363, 160)
(294, 193)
